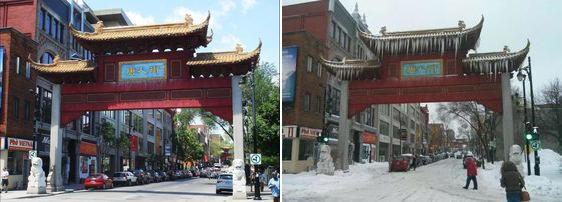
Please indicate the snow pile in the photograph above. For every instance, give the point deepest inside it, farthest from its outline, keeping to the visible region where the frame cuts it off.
(308, 184)
(547, 187)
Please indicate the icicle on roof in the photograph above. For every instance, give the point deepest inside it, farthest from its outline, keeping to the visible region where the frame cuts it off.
(495, 62)
(354, 69)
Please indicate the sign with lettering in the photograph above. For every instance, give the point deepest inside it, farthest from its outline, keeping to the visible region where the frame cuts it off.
(87, 148)
(19, 144)
(309, 132)
(422, 68)
(142, 70)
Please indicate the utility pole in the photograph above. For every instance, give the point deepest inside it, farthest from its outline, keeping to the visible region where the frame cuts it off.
(537, 158)
(253, 83)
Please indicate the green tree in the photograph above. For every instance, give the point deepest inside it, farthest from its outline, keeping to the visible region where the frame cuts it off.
(186, 139)
(267, 112)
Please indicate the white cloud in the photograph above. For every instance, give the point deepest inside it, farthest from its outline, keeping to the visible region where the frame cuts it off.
(226, 7)
(138, 19)
(229, 42)
(247, 4)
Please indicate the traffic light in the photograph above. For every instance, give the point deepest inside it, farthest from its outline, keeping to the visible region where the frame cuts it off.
(322, 138)
(535, 133)
(528, 131)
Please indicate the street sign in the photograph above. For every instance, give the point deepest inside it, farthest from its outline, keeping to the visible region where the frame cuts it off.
(255, 159)
(536, 145)
(167, 150)
(32, 154)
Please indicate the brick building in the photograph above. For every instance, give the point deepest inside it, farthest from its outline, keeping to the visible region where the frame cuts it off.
(16, 114)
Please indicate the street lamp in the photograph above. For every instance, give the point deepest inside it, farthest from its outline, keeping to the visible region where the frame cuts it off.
(521, 77)
(253, 83)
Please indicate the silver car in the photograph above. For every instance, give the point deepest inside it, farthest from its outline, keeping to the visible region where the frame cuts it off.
(224, 182)
(124, 178)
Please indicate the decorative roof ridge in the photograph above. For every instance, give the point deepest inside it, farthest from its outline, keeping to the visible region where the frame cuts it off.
(493, 55)
(99, 28)
(239, 52)
(213, 58)
(81, 65)
(447, 31)
(352, 63)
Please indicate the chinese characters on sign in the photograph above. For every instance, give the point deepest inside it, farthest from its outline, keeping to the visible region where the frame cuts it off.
(422, 68)
(142, 70)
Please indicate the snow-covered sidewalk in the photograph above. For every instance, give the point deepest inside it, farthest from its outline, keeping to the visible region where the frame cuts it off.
(440, 181)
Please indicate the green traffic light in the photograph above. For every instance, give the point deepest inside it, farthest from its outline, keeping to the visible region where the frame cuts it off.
(325, 139)
(529, 136)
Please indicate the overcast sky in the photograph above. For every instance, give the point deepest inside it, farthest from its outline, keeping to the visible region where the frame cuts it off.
(506, 22)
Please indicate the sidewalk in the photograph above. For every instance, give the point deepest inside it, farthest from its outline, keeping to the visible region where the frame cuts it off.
(265, 195)
(19, 194)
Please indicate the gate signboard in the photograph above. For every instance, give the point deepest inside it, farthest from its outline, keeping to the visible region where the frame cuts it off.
(422, 68)
(142, 70)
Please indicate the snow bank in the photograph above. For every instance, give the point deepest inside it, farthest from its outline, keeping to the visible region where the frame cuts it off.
(547, 187)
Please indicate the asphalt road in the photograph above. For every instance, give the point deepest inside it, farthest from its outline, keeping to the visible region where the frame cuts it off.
(195, 189)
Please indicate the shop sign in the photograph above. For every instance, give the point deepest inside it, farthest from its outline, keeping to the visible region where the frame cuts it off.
(289, 131)
(2, 143)
(46, 140)
(369, 138)
(309, 132)
(19, 144)
(384, 138)
(87, 148)
(134, 143)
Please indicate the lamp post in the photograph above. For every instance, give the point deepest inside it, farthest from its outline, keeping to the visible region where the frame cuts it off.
(253, 83)
(521, 77)
(130, 135)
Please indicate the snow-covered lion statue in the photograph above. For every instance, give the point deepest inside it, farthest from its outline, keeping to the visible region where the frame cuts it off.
(325, 164)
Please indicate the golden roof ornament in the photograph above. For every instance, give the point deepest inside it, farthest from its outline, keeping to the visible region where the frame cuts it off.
(188, 20)
(239, 48)
(98, 27)
(506, 49)
(461, 24)
(56, 59)
(383, 30)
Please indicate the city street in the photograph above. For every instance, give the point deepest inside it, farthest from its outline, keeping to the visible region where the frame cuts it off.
(195, 189)
(439, 181)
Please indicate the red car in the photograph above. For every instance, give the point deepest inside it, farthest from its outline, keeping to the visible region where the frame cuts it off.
(400, 163)
(98, 180)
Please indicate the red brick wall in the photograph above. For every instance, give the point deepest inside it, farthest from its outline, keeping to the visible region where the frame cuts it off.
(16, 85)
(19, 14)
(312, 17)
(306, 82)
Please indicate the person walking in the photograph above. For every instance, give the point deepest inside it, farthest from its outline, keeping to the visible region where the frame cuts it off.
(415, 161)
(512, 181)
(261, 177)
(471, 171)
(274, 185)
(5, 175)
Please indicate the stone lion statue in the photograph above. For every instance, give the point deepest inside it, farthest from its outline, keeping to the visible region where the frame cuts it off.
(36, 179)
(325, 164)
(238, 172)
(515, 154)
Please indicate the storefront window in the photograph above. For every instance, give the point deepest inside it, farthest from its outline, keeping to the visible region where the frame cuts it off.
(306, 148)
(15, 162)
(287, 149)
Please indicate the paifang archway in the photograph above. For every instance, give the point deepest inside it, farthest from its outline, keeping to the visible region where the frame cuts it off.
(427, 66)
(128, 74)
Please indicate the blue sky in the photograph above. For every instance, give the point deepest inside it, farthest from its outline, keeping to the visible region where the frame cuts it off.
(232, 21)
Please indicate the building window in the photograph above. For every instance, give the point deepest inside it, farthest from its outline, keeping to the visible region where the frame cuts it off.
(150, 128)
(318, 105)
(319, 70)
(18, 65)
(309, 64)
(412, 124)
(15, 162)
(16, 107)
(384, 128)
(385, 109)
(158, 115)
(334, 26)
(27, 111)
(42, 19)
(141, 145)
(287, 149)
(307, 102)
(306, 148)
(138, 124)
(47, 58)
(85, 123)
(54, 28)
(150, 147)
(61, 33)
(27, 70)
(47, 23)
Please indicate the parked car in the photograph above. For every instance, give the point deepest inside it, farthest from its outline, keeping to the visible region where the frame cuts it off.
(124, 178)
(224, 183)
(400, 163)
(171, 174)
(149, 177)
(155, 175)
(98, 180)
(164, 176)
(141, 176)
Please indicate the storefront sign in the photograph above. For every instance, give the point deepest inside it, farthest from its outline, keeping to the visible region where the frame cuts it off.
(309, 132)
(395, 141)
(134, 143)
(289, 56)
(289, 131)
(384, 138)
(2, 142)
(422, 68)
(87, 148)
(168, 150)
(369, 138)
(46, 140)
(142, 70)
(19, 144)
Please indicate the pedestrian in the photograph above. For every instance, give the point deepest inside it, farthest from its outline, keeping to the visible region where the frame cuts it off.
(414, 161)
(470, 170)
(5, 175)
(512, 181)
(274, 185)
(261, 177)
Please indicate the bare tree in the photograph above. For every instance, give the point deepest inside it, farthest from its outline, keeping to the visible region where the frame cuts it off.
(473, 115)
(550, 112)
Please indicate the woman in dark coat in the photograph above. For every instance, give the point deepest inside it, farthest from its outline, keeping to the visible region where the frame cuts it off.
(512, 181)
